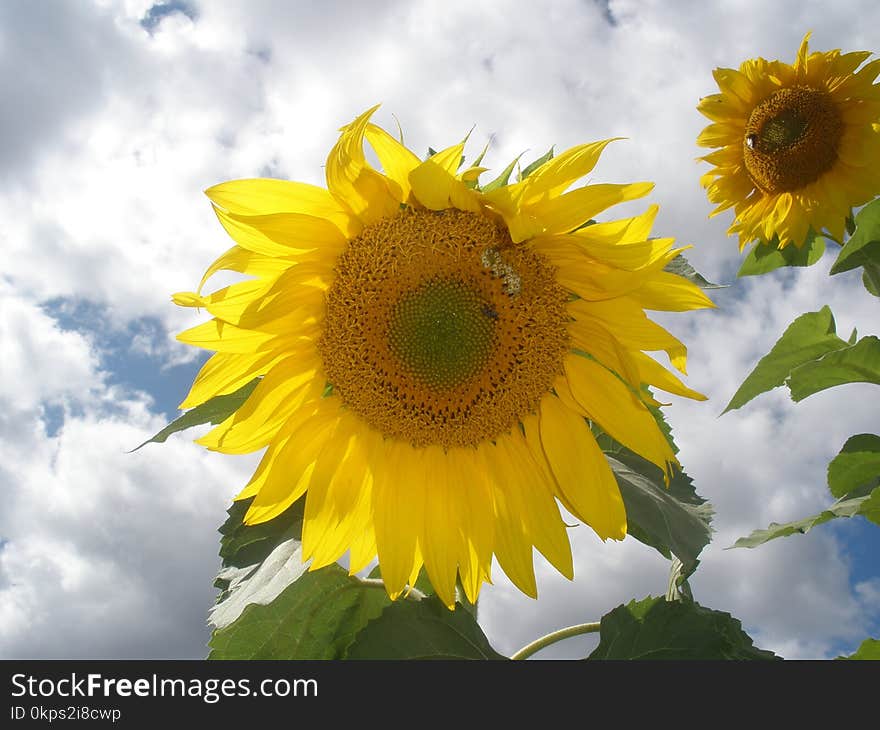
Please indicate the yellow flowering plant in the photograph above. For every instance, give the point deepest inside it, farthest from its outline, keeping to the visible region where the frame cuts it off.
(799, 150)
(443, 374)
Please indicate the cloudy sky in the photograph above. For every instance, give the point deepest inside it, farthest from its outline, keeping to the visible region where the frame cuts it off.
(116, 114)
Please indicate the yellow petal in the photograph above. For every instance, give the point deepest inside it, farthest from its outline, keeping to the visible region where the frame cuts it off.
(369, 194)
(335, 489)
(558, 173)
(734, 82)
(609, 402)
(531, 497)
(581, 470)
(472, 495)
(512, 548)
(625, 230)
(671, 293)
(285, 234)
(591, 337)
(399, 509)
(653, 373)
(226, 372)
(289, 476)
(566, 212)
(440, 536)
(284, 389)
(259, 196)
(224, 337)
(720, 135)
(396, 160)
(246, 262)
(436, 186)
(624, 256)
(631, 327)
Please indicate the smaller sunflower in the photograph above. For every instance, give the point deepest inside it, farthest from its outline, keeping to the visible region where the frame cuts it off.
(799, 144)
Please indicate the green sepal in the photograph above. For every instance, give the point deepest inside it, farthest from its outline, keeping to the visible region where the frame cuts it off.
(532, 166)
(502, 179)
(766, 257)
(216, 410)
(681, 267)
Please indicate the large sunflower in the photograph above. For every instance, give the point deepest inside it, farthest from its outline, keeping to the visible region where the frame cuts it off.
(799, 144)
(430, 354)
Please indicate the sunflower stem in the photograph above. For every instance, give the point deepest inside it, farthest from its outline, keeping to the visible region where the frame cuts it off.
(413, 593)
(672, 591)
(552, 638)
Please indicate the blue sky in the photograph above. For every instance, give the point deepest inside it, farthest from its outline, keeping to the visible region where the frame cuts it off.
(119, 114)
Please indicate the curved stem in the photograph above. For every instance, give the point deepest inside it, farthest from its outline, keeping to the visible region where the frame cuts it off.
(552, 638)
(672, 591)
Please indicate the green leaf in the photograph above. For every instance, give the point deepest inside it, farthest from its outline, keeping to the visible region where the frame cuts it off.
(531, 167)
(672, 520)
(654, 628)
(857, 464)
(243, 545)
(863, 247)
(216, 410)
(810, 336)
(315, 617)
(258, 561)
(869, 506)
(680, 266)
(423, 629)
(502, 179)
(869, 649)
(257, 584)
(764, 258)
(859, 363)
(871, 279)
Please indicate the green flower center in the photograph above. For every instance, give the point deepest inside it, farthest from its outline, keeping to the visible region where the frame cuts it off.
(781, 131)
(791, 139)
(442, 332)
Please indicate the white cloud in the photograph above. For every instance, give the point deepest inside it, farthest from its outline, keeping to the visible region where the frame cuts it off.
(106, 157)
(105, 553)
